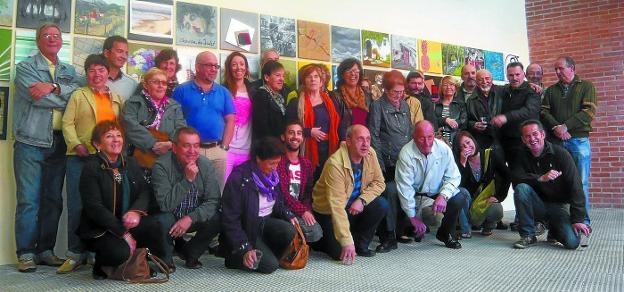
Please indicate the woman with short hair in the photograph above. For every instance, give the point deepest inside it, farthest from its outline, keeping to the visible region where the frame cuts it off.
(451, 114)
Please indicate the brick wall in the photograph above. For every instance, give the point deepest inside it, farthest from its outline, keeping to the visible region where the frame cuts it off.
(592, 33)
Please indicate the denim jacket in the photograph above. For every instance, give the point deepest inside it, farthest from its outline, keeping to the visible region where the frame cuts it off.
(32, 120)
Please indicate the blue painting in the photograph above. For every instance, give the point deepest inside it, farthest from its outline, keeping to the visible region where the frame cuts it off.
(494, 64)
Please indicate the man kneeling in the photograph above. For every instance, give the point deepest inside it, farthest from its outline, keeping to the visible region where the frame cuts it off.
(548, 187)
(346, 200)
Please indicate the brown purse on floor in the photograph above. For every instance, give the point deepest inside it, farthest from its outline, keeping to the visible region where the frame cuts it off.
(296, 254)
(137, 269)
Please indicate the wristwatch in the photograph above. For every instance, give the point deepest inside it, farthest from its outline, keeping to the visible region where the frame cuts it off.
(363, 201)
(224, 147)
(54, 87)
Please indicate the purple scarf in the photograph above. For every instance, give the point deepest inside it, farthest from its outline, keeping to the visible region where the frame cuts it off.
(267, 184)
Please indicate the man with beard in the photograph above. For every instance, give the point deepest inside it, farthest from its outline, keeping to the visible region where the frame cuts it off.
(484, 104)
(115, 50)
(296, 179)
(469, 84)
(419, 99)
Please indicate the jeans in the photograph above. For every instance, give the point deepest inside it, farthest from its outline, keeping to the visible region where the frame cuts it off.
(39, 174)
(464, 216)
(530, 207)
(75, 246)
(580, 149)
(493, 214)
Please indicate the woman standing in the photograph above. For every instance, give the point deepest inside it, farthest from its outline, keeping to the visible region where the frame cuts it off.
(168, 61)
(236, 74)
(268, 105)
(351, 94)
(450, 114)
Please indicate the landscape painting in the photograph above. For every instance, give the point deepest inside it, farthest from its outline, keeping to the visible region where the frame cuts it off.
(84, 47)
(430, 56)
(345, 43)
(141, 58)
(452, 59)
(100, 18)
(474, 57)
(313, 40)
(239, 31)
(151, 21)
(6, 12)
(6, 35)
(376, 49)
(26, 46)
(494, 64)
(196, 25)
(278, 33)
(404, 53)
(33, 13)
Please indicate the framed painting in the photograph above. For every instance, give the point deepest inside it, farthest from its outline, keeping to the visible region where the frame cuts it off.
(26, 46)
(33, 13)
(84, 47)
(474, 57)
(345, 43)
(4, 106)
(6, 12)
(100, 18)
(376, 49)
(313, 40)
(239, 31)
(187, 57)
(404, 53)
(252, 60)
(494, 64)
(290, 76)
(278, 33)
(452, 59)
(196, 25)
(141, 58)
(430, 56)
(151, 21)
(6, 35)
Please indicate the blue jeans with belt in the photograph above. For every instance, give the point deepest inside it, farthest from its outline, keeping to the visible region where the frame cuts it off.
(39, 174)
(580, 149)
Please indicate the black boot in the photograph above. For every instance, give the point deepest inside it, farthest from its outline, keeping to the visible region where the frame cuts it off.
(388, 242)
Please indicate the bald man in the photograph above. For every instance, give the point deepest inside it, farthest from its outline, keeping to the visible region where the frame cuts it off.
(469, 83)
(426, 169)
(208, 108)
(484, 104)
(346, 199)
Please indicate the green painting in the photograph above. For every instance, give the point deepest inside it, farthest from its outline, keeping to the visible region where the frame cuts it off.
(5, 53)
(100, 18)
(452, 59)
(376, 50)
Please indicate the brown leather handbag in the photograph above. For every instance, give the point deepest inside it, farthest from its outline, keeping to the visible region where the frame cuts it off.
(296, 254)
(137, 269)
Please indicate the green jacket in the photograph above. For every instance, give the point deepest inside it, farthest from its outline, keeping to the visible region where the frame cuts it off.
(576, 110)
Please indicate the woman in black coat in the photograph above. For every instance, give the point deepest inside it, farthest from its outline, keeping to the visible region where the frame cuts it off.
(268, 105)
(115, 201)
(254, 214)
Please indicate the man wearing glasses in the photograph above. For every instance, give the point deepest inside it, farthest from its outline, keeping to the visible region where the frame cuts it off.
(208, 108)
(43, 86)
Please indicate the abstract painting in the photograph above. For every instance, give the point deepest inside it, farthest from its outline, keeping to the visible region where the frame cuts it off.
(290, 77)
(100, 18)
(432, 82)
(452, 59)
(6, 12)
(376, 49)
(510, 58)
(278, 33)
(430, 56)
(196, 25)
(345, 43)
(239, 31)
(313, 40)
(187, 62)
(141, 58)
(404, 53)
(26, 46)
(33, 13)
(328, 69)
(254, 66)
(4, 106)
(494, 63)
(151, 21)
(6, 35)
(84, 47)
(474, 57)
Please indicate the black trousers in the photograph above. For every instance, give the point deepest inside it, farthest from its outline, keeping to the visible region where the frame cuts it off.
(362, 227)
(274, 237)
(395, 221)
(511, 147)
(112, 251)
(194, 248)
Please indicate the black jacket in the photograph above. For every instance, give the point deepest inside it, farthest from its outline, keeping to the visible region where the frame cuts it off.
(476, 108)
(427, 107)
(457, 111)
(102, 197)
(519, 104)
(240, 221)
(497, 171)
(266, 116)
(565, 189)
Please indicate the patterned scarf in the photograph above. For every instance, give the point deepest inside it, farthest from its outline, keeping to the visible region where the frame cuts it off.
(159, 108)
(277, 98)
(357, 101)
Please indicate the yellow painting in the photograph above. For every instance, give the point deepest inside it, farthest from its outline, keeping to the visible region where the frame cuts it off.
(430, 60)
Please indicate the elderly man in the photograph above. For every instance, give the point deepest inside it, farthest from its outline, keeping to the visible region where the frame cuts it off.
(534, 74)
(346, 199)
(426, 169)
(418, 98)
(484, 104)
(548, 187)
(519, 103)
(568, 109)
(469, 83)
(43, 86)
(208, 107)
(185, 187)
(115, 50)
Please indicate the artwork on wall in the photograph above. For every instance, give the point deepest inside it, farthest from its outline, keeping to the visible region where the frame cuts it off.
(494, 64)
(474, 57)
(278, 33)
(375, 77)
(328, 69)
(100, 18)
(290, 75)
(430, 56)
(452, 59)
(6, 35)
(376, 48)
(26, 46)
(345, 43)
(196, 25)
(6, 12)
(83, 47)
(313, 40)
(151, 21)
(334, 73)
(239, 31)
(141, 58)
(187, 57)
(252, 60)
(432, 82)
(404, 53)
(4, 106)
(33, 13)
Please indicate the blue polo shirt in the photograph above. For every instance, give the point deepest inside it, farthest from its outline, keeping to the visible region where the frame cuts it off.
(205, 111)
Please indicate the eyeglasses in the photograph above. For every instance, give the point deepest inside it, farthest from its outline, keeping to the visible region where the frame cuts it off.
(210, 66)
(397, 92)
(449, 85)
(352, 72)
(54, 36)
(157, 82)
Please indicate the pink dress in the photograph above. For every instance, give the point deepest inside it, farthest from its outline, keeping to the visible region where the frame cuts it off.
(241, 141)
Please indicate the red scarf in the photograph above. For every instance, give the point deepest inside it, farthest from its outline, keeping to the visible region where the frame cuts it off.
(311, 147)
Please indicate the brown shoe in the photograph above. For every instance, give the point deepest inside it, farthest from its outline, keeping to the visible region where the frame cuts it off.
(50, 260)
(26, 265)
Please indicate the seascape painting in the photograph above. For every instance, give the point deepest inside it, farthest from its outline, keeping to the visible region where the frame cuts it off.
(151, 21)
(345, 43)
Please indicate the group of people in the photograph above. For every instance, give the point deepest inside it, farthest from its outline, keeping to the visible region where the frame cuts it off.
(239, 164)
